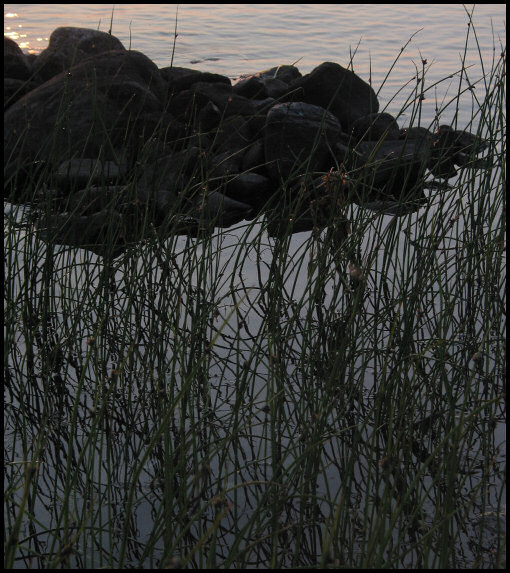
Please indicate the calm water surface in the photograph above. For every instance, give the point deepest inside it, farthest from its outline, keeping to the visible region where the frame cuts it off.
(235, 39)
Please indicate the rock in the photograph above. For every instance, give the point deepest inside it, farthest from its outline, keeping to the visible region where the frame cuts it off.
(273, 83)
(338, 90)
(452, 148)
(415, 133)
(318, 202)
(250, 188)
(102, 232)
(15, 89)
(17, 73)
(209, 117)
(69, 46)
(207, 209)
(390, 169)
(108, 144)
(16, 64)
(187, 105)
(77, 173)
(234, 134)
(375, 126)
(180, 79)
(224, 98)
(23, 183)
(224, 165)
(216, 209)
(123, 86)
(250, 87)
(258, 88)
(285, 73)
(162, 206)
(254, 158)
(93, 199)
(298, 137)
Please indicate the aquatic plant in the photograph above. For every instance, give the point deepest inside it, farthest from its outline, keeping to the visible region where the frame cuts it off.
(253, 397)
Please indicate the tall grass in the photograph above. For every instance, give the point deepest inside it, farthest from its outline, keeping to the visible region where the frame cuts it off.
(246, 398)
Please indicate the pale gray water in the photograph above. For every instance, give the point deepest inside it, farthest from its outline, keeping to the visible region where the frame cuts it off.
(235, 39)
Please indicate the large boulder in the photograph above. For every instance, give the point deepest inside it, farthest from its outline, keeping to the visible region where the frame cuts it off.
(95, 109)
(338, 90)
(298, 137)
(68, 46)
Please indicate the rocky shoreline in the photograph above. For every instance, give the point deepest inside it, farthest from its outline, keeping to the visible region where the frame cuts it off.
(107, 137)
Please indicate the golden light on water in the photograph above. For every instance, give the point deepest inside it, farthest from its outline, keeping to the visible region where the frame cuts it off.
(11, 33)
(14, 32)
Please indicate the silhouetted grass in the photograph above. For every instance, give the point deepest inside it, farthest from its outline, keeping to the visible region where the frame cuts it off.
(251, 398)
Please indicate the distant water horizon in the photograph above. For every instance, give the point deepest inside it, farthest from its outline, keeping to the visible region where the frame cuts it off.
(239, 39)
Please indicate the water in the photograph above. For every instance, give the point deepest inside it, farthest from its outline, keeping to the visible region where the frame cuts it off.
(235, 39)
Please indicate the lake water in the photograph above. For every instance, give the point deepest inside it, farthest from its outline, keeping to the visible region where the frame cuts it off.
(235, 39)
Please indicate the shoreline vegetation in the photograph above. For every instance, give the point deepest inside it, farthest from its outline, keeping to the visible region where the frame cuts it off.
(311, 381)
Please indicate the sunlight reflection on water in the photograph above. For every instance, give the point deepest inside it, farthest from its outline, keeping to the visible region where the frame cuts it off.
(239, 39)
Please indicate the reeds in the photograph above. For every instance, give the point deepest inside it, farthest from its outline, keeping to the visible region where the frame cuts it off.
(243, 400)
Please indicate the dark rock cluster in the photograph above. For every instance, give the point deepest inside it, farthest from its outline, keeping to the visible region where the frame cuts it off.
(108, 138)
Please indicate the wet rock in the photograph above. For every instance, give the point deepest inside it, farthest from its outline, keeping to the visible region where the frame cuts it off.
(338, 90)
(298, 137)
